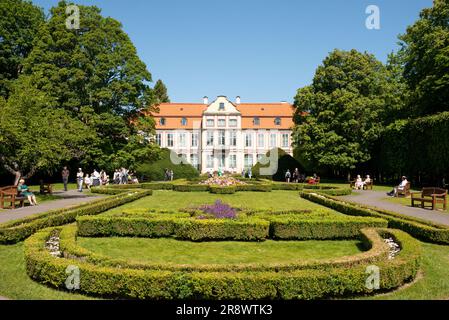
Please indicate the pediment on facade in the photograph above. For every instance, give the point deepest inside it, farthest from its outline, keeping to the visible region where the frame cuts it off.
(221, 106)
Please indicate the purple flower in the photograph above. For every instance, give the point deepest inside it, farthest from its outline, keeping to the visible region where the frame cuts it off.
(219, 210)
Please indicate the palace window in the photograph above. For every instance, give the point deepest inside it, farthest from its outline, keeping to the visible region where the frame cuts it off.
(210, 161)
(162, 121)
(222, 122)
(248, 140)
(260, 140)
(233, 122)
(159, 139)
(184, 121)
(277, 121)
(169, 139)
(210, 138)
(221, 137)
(210, 123)
(194, 139)
(233, 161)
(182, 140)
(285, 140)
(273, 143)
(256, 121)
(221, 106)
(233, 138)
(248, 160)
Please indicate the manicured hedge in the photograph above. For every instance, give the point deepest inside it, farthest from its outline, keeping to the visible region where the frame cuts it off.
(321, 229)
(223, 229)
(157, 185)
(254, 187)
(420, 229)
(286, 186)
(165, 284)
(190, 187)
(20, 229)
(250, 229)
(222, 190)
(376, 250)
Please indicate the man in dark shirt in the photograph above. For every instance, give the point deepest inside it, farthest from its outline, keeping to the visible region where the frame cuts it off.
(65, 177)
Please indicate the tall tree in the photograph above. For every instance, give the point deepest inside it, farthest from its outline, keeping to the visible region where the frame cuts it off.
(19, 23)
(36, 136)
(341, 114)
(160, 91)
(425, 54)
(95, 74)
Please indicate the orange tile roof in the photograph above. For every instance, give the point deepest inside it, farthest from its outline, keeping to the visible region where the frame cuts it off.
(267, 112)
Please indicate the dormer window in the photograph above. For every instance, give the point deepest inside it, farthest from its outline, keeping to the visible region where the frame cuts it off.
(221, 106)
(256, 121)
(162, 121)
(184, 121)
(277, 121)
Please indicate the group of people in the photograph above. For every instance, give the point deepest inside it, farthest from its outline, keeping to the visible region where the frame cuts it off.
(247, 173)
(360, 183)
(296, 177)
(121, 176)
(168, 175)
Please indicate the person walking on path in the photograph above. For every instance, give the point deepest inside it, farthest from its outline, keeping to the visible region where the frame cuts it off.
(80, 179)
(287, 176)
(65, 177)
(171, 175)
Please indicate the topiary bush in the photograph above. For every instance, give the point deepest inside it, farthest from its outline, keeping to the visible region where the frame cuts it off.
(284, 162)
(155, 171)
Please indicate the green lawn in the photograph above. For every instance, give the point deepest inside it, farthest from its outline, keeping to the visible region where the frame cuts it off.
(171, 251)
(15, 284)
(172, 200)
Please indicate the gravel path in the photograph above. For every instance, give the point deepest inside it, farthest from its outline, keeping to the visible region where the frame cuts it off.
(68, 199)
(378, 199)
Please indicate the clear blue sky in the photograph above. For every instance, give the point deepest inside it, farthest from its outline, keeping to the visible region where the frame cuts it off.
(262, 50)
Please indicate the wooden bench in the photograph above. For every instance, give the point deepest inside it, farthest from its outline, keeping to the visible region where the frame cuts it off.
(365, 186)
(430, 195)
(11, 195)
(46, 188)
(404, 192)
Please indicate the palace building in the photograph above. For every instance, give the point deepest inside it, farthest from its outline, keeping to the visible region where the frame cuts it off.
(225, 135)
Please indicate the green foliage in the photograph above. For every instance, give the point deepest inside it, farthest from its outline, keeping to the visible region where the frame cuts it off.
(20, 229)
(165, 284)
(417, 146)
(418, 228)
(284, 162)
(35, 135)
(340, 115)
(425, 55)
(160, 91)
(222, 190)
(19, 24)
(95, 75)
(155, 170)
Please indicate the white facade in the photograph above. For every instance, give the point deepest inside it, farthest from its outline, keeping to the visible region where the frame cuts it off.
(218, 141)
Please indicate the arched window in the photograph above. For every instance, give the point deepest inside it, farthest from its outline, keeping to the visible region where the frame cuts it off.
(256, 121)
(162, 121)
(277, 121)
(184, 121)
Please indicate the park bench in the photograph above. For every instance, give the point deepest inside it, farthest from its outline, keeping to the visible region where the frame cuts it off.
(404, 192)
(366, 186)
(45, 188)
(11, 196)
(430, 195)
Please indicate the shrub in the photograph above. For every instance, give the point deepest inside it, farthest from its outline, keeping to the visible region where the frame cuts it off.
(254, 187)
(376, 250)
(285, 161)
(322, 229)
(420, 229)
(155, 171)
(164, 284)
(222, 190)
(20, 229)
(157, 185)
(190, 187)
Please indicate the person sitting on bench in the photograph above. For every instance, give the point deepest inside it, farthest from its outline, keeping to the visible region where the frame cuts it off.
(401, 186)
(358, 183)
(24, 191)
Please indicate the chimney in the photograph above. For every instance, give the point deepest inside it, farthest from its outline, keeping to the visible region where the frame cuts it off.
(205, 100)
(237, 100)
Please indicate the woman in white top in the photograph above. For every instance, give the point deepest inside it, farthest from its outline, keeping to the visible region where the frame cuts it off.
(88, 181)
(358, 182)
